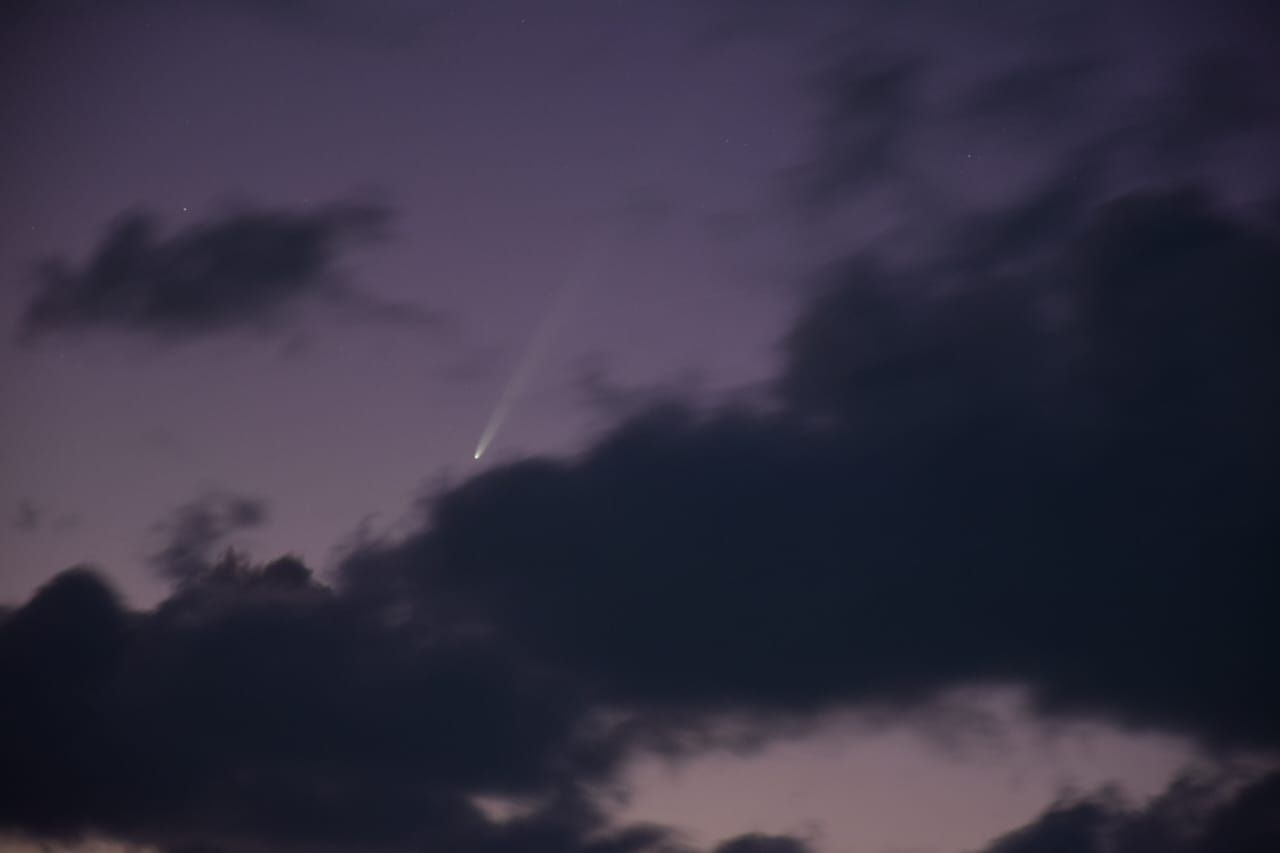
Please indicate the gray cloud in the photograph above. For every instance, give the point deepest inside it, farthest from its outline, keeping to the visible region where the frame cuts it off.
(196, 531)
(244, 270)
(966, 481)
(1212, 814)
(256, 709)
(1055, 477)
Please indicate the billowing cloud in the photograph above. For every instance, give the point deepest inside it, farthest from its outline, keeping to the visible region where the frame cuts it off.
(1036, 450)
(244, 270)
(1055, 478)
(257, 710)
(757, 843)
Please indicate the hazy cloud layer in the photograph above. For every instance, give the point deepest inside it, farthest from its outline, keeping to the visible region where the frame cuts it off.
(924, 112)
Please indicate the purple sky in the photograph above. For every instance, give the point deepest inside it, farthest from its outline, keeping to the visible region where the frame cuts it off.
(690, 157)
(597, 131)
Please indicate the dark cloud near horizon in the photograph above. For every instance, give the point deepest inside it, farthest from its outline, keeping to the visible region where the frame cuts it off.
(1194, 815)
(243, 270)
(961, 482)
(758, 843)
(1039, 452)
(255, 709)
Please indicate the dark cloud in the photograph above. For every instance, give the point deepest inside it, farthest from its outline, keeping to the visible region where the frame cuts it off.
(1037, 452)
(1195, 815)
(905, 93)
(756, 843)
(196, 531)
(1055, 478)
(869, 111)
(255, 710)
(1041, 95)
(1217, 96)
(244, 270)
(1054, 475)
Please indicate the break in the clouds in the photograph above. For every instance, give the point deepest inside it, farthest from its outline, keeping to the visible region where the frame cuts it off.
(244, 270)
(357, 735)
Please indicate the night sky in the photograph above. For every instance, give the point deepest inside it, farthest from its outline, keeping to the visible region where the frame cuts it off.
(640, 426)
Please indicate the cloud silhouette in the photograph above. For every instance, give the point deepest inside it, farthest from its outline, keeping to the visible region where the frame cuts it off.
(244, 270)
(256, 709)
(756, 843)
(1055, 476)
(1056, 479)
(1195, 815)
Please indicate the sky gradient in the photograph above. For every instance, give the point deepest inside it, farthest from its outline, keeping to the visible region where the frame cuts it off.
(897, 473)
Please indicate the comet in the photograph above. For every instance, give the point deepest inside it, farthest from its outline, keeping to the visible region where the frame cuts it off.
(543, 335)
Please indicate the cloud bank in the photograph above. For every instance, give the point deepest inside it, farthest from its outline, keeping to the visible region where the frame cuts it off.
(1056, 477)
(1039, 452)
